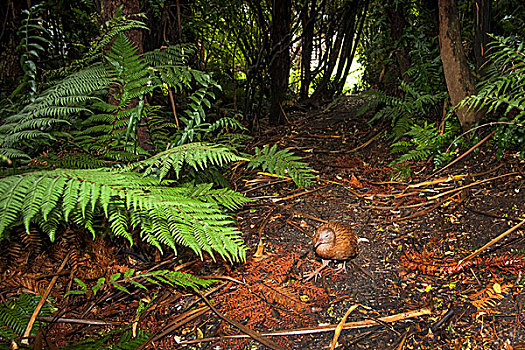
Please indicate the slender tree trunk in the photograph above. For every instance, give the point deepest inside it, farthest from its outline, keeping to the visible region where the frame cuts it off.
(308, 15)
(280, 59)
(396, 19)
(457, 74)
(10, 70)
(481, 28)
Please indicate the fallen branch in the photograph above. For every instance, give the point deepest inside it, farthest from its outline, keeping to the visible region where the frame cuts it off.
(25, 339)
(298, 194)
(51, 319)
(466, 153)
(249, 332)
(510, 230)
(322, 329)
(471, 185)
(176, 323)
(339, 327)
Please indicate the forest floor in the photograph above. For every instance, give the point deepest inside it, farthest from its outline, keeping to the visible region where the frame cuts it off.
(408, 288)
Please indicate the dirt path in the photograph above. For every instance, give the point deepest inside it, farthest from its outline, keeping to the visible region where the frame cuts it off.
(355, 188)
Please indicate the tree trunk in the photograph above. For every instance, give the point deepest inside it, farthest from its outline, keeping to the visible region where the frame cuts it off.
(10, 69)
(280, 58)
(481, 28)
(129, 7)
(307, 22)
(396, 19)
(457, 73)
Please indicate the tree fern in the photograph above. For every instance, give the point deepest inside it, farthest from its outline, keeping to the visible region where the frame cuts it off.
(282, 163)
(38, 120)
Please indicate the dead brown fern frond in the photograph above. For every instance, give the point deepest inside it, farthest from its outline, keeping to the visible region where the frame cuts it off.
(486, 299)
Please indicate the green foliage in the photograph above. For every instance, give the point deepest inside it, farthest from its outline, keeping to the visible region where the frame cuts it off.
(126, 340)
(33, 43)
(197, 155)
(505, 84)
(116, 26)
(113, 132)
(422, 142)
(165, 213)
(419, 96)
(26, 132)
(282, 163)
(140, 280)
(503, 91)
(15, 314)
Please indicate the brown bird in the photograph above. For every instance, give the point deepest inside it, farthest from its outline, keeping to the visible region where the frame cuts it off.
(334, 241)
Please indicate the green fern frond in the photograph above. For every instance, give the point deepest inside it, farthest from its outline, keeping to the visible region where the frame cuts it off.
(196, 155)
(127, 340)
(504, 85)
(169, 215)
(15, 314)
(283, 163)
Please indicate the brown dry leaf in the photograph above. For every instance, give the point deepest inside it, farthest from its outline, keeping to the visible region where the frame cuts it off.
(488, 297)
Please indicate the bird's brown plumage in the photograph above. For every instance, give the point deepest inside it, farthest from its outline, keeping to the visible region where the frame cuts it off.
(336, 241)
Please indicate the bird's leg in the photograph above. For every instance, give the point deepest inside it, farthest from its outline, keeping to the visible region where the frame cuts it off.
(343, 268)
(317, 271)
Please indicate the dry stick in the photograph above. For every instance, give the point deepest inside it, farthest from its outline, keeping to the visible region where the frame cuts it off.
(176, 323)
(298, 194)
(481, 126)
(466, 153)
(362, 270)
(419, 213)
(25, 339)
(296, 212)
(181, 319)
(51, 319)
(328, 328)
(367, 142)
(402, 343)
(512, 229)
(471, 185)
(253, 334)
(173, 107)
(221, 277)
(438, 181)
(260, 246)
(339, 327)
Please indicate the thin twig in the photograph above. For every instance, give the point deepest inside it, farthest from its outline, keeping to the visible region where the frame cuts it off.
(419, 213)
(25, 339)
(52, 319)
(466, 153)
(251, 333)
(298, 194)
(339, 327)
(470, 185)
(481, 126)
(176, 323)
(510, 230)
(173, 108)
(367, 142)
(323, 329)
